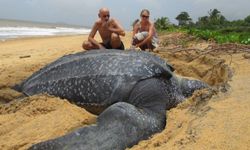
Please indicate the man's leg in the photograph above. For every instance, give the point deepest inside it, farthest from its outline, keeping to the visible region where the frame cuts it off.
(116, 41)
(88, 45)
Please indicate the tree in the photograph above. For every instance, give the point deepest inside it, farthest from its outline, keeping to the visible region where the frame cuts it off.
(213, 20)
(162, 23)
(215, 17)
(203, 20)
(247, 19)
(183, 18)
(237, 22)
(214, 14)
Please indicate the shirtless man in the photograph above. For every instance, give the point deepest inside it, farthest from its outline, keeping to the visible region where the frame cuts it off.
(109, 30)
(144, 32)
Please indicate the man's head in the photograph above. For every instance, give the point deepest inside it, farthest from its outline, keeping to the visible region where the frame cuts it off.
(104, 14)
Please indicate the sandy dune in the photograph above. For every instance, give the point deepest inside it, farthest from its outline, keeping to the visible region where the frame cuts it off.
(210, 119)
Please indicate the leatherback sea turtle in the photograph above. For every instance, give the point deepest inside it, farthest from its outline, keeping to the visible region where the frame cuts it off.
(131, 90)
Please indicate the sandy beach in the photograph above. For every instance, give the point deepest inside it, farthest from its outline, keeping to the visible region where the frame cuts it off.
(210, 119)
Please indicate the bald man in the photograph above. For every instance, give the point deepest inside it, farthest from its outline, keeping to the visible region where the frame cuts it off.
(110, 31)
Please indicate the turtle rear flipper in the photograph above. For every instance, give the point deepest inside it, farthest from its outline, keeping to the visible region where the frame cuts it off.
(17, 87)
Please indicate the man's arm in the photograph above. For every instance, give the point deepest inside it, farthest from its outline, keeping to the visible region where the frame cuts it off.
(116, 27)
(92, 35)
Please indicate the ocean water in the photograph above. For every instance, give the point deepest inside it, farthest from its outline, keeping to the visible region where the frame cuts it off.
(11, 29)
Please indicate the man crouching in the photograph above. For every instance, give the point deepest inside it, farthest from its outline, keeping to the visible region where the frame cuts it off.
(109, 30)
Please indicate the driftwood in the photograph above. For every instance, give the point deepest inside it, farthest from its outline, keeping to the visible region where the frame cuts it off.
(25, 56)
(227, 48)
(246, 56)
(213, 49)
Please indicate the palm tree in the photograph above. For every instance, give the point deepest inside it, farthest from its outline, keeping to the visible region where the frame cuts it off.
(215, 17)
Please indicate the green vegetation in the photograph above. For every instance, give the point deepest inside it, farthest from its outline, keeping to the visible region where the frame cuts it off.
(212, 27)
(162, 24)
(221, 36)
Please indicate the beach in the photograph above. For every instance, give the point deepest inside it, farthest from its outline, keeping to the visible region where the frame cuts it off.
(208, 120)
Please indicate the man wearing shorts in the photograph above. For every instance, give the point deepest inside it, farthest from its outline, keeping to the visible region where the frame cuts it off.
(110, 31)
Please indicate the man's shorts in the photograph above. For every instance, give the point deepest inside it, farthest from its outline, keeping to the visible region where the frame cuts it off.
(108, 46)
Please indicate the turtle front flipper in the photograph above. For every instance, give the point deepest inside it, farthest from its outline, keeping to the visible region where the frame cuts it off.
(188, 85)
(120, 126)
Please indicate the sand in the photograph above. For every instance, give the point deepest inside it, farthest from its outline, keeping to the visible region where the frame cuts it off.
(210, 119)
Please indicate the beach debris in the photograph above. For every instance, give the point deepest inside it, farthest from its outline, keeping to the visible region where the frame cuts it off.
(247, 56)
(25, 56)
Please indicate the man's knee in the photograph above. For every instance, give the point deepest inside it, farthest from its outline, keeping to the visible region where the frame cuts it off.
(116, 41)
(115, 37)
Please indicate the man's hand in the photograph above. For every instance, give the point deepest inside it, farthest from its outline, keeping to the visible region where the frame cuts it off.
(117, 31)
(101, 47)
(122, 33)
(115, 27)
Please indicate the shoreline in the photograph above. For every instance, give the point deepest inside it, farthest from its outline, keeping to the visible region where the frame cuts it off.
(39, 37)
(128, 35)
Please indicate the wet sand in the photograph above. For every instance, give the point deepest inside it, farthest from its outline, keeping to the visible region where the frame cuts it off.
(217, 119)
